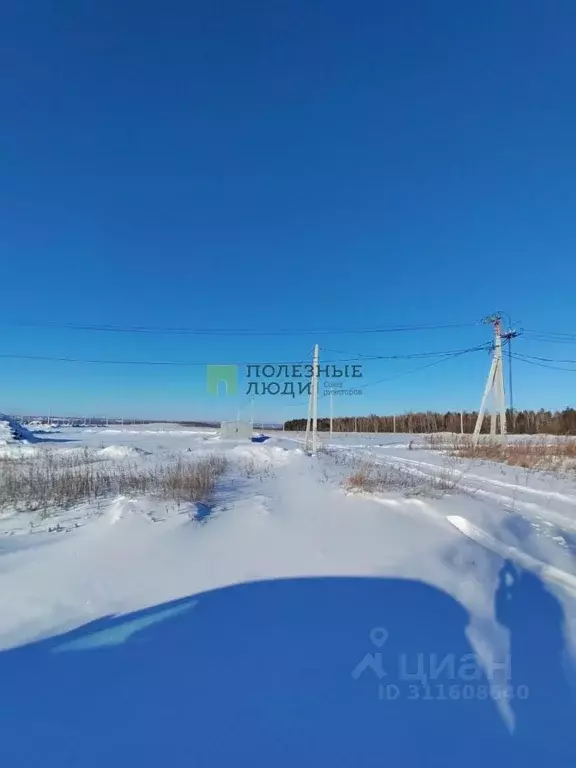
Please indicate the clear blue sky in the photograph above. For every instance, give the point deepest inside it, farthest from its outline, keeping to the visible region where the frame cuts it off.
(282, 165)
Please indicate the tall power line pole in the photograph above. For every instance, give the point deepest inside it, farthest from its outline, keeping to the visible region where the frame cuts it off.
(307, 440)
(312, 420)
(494, 386)
(511, 334)
(315, 399)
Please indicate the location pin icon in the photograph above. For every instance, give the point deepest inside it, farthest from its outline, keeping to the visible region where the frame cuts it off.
(378, 635)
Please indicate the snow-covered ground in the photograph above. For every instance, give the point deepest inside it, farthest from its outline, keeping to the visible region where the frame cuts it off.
(280, 514)
(293, 519)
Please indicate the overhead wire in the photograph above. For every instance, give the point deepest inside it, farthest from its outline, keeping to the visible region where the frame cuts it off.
(549, 339)
(447, 357)
(194, 363)
(408, 356)
(183, 363)
(546, 359)
(541, 364)
(555, 334)
(459, 353)
(107, 328)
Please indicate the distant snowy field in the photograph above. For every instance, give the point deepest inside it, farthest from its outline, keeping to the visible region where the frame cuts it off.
(279, 513)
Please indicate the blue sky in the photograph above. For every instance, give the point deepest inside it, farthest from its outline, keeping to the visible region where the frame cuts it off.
(286, 165)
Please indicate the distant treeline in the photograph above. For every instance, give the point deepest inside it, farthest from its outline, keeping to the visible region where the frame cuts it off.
(521, 422)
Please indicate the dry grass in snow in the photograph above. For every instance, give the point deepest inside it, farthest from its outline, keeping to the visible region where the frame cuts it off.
(51, 480)
(372, 477)
(550, 454)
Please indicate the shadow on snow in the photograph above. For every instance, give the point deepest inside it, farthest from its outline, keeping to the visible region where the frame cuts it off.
(294, 672)
(20, 433)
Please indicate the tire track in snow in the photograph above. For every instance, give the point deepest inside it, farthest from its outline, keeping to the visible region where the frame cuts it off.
(433, 511)
(563, 497)
(548, 521)
(543, 513)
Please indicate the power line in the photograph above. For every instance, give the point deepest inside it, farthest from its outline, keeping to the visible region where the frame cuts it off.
(551, 333)
(427, 365)
(409, 356)
(543, 365)
(447, 357)
(202, 363)
(545, 359)
(178, 363)
(559, 334)
(98, 362)
(238, 331)
(550, 339)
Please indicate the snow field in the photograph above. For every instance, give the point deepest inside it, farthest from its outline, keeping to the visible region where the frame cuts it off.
(277, 513)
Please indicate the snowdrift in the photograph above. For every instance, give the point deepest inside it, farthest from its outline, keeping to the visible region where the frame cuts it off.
(12, 431)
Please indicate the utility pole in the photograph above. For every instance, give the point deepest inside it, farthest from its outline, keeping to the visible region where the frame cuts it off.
(394, 423)
(315, 399)
(508, 337)
(311, 442)
(331, 413)
(461, 422)
(308, 419)
(494, 386)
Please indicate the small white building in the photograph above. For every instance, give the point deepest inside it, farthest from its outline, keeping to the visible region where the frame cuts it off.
(236, 430)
